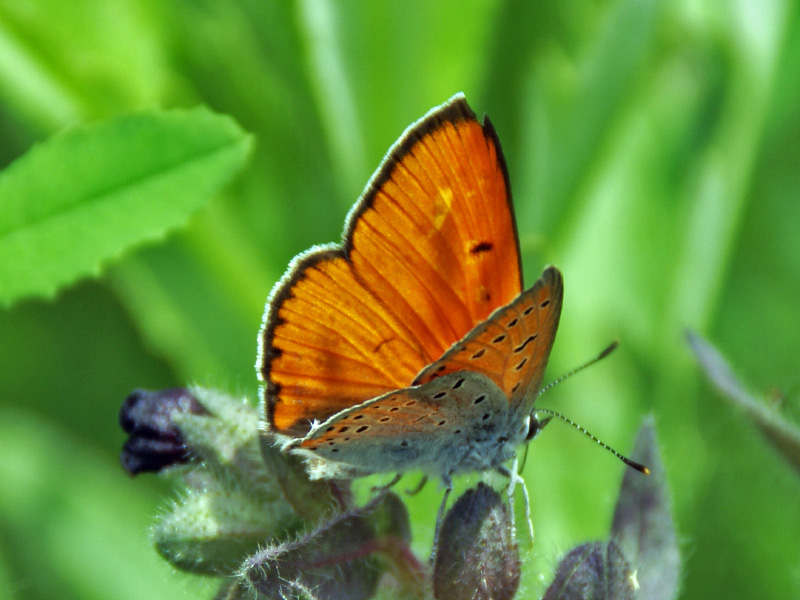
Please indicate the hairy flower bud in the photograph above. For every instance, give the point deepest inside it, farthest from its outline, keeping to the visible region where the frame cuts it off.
(593, 571)
(478, 557)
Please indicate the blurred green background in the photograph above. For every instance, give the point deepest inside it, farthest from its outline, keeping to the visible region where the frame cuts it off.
(654, 155)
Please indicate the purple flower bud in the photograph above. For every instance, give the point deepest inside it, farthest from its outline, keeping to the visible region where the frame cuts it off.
(478, 557)
(593, 571)
(155, 443)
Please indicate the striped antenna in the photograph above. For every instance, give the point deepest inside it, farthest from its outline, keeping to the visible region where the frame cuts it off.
(611, 347)
(608, 350)
(625, 459)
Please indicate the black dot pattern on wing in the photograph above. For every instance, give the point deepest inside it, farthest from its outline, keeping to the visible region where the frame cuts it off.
(396, 418)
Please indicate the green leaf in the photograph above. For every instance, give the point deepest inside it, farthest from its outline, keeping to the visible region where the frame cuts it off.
(88, 194)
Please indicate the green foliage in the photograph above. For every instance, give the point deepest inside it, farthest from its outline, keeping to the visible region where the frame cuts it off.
(83, 197)
(653, 152)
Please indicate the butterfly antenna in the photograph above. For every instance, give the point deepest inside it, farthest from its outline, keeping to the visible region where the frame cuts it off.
(631, 463)
(608, 350)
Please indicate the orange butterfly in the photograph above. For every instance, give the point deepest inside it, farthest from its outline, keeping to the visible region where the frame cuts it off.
(412, 345)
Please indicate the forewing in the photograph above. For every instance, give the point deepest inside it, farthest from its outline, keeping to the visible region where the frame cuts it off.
(513, 345)
(429, 251)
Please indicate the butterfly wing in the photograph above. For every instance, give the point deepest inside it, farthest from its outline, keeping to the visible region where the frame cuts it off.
(513, 345)
(429, 251)
(431, 427)
(457, 403)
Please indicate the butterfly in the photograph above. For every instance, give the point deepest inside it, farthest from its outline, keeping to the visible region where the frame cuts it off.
(412, 345)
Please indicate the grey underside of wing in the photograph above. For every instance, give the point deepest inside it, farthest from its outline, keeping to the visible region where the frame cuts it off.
(431, 427)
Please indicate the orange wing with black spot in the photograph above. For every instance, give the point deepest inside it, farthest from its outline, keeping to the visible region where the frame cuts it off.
(430, 250)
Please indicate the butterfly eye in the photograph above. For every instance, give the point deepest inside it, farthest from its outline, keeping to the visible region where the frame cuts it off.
(534, 427)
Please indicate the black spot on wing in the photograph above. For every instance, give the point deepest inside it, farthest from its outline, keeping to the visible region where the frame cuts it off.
(481, 247)
(521, 347)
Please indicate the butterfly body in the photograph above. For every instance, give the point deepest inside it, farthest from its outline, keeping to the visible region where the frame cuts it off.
(412, 346)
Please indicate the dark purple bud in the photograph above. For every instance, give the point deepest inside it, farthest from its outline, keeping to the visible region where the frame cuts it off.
(478, 557)
(594, 571)
(155, 442)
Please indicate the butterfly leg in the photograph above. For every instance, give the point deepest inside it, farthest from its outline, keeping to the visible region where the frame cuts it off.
(510, 492)
(385, 488)
(416, 490)
(440, 517)
(514, 479)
